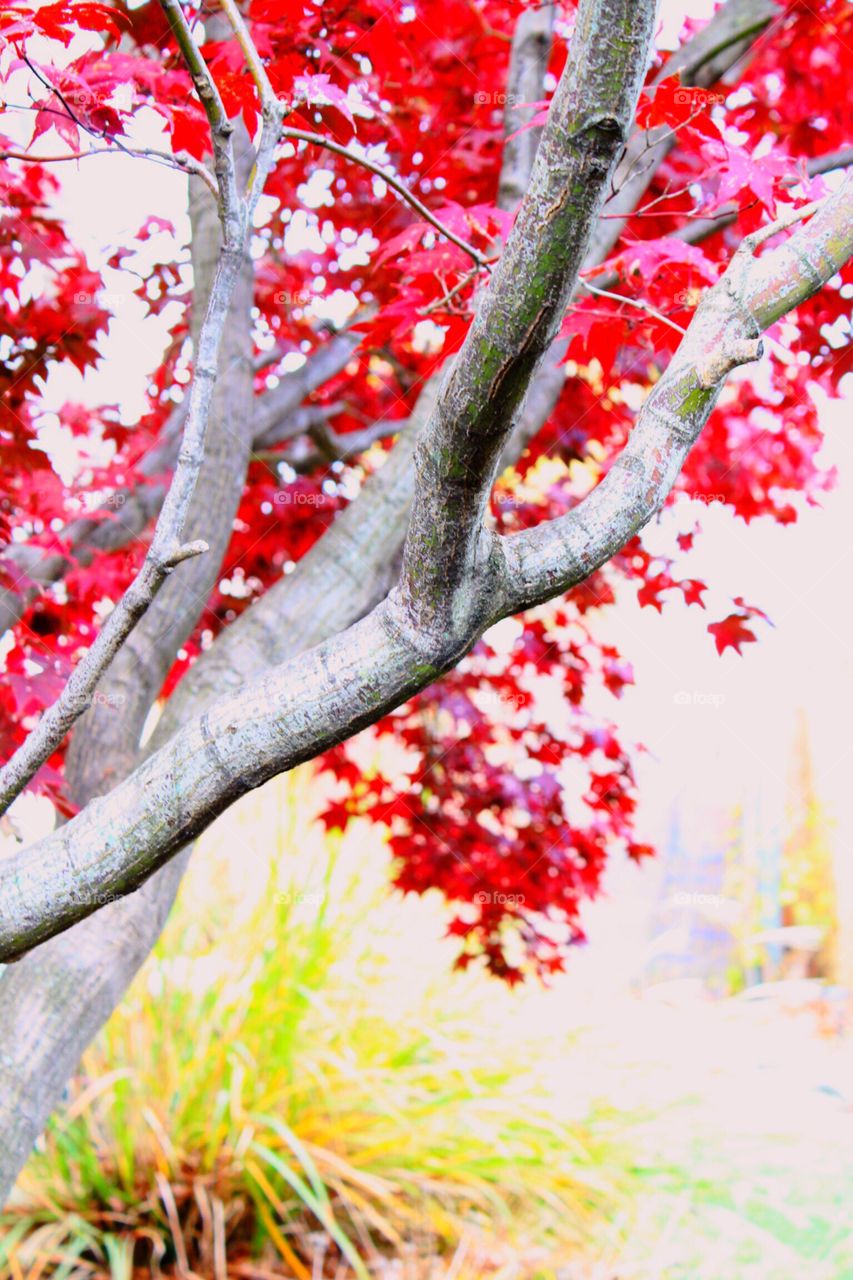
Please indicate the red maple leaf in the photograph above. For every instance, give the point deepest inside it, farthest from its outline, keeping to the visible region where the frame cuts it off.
(731, 633)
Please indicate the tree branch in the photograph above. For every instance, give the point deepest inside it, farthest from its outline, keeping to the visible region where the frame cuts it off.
(528, 64)
(701, 61)
(105, 744)
(55, 999)
(520, 313)
(638, 303)
(317, 140)
(176, 160)
(221, 127)
(77, 695)
(714, 50)
(589, 121)
(53, 1002)
(609, 17)
(752, 294)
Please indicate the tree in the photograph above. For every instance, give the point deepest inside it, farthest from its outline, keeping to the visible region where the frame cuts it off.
(555, 244)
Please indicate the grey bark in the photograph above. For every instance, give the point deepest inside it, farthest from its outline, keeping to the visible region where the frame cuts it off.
(105, 744)
(725, 332)
(87, 971)
(520, 313)
(531, 49)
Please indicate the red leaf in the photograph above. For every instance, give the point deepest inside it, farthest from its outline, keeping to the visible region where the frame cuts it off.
(731, 633)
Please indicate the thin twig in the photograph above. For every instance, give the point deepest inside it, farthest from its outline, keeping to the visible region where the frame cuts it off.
(317, 140)
(43, 80)
(633, 302)
(441, 302)
(256, 67)
(221, 128)
(68, 113)
(180, 160)
(77, 694)
(272, 108)
(782, 223)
